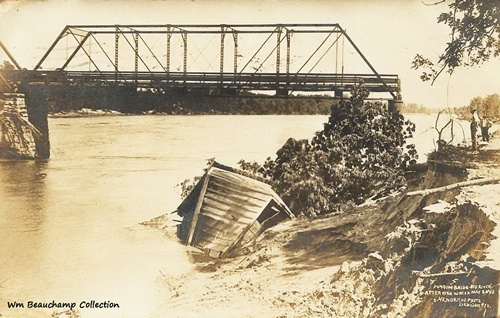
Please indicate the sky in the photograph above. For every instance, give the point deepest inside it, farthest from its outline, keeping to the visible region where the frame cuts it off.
(388, 32)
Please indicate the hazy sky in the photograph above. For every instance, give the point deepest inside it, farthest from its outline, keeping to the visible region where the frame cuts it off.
(389, 33)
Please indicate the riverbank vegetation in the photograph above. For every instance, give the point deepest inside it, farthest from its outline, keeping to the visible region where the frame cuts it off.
(413, 108)
(360, 151)
(129, 100)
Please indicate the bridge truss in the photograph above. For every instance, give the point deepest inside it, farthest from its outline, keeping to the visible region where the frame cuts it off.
(284, 58)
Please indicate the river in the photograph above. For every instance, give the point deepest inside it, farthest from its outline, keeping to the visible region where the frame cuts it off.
(69, 226)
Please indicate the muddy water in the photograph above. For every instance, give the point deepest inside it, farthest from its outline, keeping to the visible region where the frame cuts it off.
(69, 227)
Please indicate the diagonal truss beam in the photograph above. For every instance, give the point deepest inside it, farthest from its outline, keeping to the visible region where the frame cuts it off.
(13, 60)
(367, 62)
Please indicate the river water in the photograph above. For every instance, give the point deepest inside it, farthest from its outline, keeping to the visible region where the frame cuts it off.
(69, 226)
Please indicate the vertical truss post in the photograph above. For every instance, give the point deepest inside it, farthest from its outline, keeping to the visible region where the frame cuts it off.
(343, 50)
(136, 60)
(278, 50)
(184, 63)
(278, 57)
(288, 39)
(336, 62)
(235, 63)
(90, 52)
(222, 36)
(169, 35)
(117, 39)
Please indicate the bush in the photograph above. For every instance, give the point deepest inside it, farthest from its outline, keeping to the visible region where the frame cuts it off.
(360, 151)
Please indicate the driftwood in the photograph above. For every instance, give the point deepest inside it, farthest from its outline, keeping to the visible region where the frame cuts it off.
(454, 186)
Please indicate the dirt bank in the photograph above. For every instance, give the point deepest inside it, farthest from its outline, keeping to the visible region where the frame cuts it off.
(432, 255)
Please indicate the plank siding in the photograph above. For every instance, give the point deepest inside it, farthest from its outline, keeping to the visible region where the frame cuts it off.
(231, 200)
(234, 212)
(227, 188)
(223, 208)
(225, 218)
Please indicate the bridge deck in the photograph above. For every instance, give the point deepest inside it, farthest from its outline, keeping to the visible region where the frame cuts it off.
(312, 82)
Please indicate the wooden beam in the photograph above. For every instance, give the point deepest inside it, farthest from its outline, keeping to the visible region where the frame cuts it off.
(197, 209)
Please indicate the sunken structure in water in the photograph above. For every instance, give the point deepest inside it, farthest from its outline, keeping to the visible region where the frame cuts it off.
(227, 210)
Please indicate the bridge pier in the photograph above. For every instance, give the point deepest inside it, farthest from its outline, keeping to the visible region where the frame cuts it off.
(395, 105)
(339, 94)
(36, 99)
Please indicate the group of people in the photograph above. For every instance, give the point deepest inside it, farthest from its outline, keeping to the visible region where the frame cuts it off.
(484, 123)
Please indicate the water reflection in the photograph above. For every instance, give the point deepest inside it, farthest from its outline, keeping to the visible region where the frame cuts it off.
(22, 216)
(23, 194)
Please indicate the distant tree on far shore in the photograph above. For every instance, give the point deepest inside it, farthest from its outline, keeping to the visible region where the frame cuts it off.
(486, 106)
(412, 108)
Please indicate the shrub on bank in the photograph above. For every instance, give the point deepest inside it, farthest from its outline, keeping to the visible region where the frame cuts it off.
(361, 150)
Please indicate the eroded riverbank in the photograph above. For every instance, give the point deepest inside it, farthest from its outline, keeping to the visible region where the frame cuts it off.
(396, 257)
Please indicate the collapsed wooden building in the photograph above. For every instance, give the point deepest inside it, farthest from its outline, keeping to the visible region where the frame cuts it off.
(227, 210)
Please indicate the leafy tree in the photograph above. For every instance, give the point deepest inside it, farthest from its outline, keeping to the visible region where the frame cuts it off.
(491, 105)
(475, 37)
(476, 103)
(360, 151)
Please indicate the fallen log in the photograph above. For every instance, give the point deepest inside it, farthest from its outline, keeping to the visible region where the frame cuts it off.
(454, 186)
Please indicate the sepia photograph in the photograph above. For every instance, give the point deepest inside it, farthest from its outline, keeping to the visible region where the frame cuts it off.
(249, 158)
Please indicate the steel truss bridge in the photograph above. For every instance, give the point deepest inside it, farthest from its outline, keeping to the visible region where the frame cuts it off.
(215, 59)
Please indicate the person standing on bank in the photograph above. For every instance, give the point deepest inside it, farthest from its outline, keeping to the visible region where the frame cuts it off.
(485, 125)
(473, 128)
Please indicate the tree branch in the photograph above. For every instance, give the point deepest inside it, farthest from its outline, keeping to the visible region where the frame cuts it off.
(438, 73)
(433, 4)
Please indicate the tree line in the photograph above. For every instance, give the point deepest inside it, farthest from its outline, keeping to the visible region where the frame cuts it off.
(413, 108)
(488, 106)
